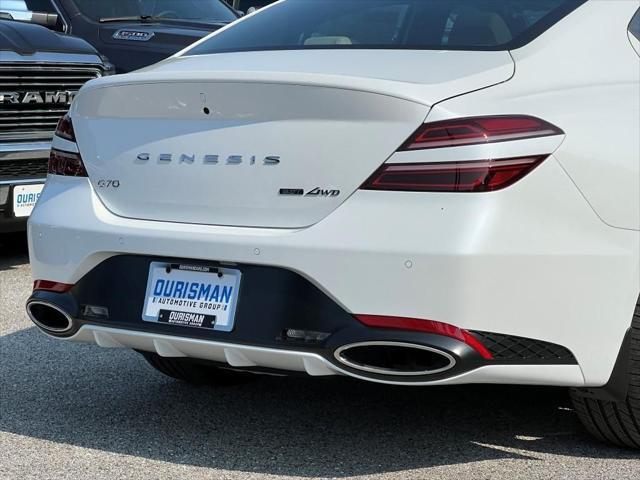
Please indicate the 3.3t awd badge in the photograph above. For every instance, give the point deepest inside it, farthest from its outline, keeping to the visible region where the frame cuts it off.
(316, 192)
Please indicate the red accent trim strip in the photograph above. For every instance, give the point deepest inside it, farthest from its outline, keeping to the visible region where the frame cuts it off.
(427, 326)
(50, 286)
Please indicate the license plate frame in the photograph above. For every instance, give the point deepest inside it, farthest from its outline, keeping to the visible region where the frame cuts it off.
(20, 208)
(206, 292)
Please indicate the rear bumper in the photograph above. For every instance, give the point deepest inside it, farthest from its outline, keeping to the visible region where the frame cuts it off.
(34, 156)
(531, 261)
(271, 302)
(292, 360)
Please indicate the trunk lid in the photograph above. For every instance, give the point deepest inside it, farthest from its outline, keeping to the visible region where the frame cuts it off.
(261, 140)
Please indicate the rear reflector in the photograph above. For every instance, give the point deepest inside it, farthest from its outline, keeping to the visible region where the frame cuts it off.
(478, 130)
(50, 286)
(66, 163)
(473, 176)
(426, 326)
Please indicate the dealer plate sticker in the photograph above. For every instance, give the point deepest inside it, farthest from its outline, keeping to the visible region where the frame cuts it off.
(25, 198)
(192, 296)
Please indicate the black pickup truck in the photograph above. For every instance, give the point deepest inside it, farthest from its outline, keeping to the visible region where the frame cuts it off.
(131, 33)
(40, 73)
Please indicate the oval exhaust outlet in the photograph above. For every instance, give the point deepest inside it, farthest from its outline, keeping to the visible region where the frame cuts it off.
(394, 358)
(49, 317)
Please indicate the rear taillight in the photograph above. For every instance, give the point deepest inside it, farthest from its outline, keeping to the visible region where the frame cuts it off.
(478, 130)
(473, 176)
(63, 162)
(485, 175)
(64, 129)
(66, 163)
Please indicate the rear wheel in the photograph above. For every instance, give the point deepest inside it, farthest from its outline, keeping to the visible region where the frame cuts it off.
(616, 422)
(195, 373)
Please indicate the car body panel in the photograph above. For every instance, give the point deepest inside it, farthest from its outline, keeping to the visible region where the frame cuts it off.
(26, 39)
(310, 363)
(214, 114)
(498, 262)
(551, 257)
(601, 155)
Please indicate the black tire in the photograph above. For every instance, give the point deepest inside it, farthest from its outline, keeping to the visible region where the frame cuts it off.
(196, 373)
(616, 422)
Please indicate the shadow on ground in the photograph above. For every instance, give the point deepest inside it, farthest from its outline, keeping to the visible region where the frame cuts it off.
(13, 250)
(111, 400)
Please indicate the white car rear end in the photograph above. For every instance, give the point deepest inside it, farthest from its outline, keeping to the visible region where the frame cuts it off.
(318, 200)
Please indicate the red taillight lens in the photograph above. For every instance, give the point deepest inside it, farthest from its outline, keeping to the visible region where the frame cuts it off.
(473, 176)
(50, 286)
(464, 176)
(65, 129)
(66, 163)
(427, 326)
(478, 130)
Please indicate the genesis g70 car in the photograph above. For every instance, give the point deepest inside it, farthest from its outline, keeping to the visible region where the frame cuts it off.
(414, 192)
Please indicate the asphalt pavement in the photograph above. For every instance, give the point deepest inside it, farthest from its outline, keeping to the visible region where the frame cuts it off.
(70, 411)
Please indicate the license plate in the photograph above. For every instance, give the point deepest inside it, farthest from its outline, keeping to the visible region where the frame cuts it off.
(25, 198)
(192, 296)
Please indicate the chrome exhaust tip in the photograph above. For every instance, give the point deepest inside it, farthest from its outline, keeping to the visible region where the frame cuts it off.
(394, 358)
(49, 317)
